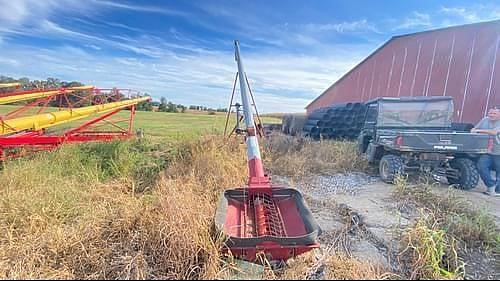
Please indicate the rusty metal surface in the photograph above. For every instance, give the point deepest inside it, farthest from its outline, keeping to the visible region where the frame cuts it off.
(462, 62)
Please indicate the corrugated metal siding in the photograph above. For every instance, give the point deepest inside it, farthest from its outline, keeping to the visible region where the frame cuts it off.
(462, 62)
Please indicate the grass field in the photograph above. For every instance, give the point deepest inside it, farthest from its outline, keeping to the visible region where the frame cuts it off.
(121, 210)
(181, 125)
(166, 125)
(144, 209)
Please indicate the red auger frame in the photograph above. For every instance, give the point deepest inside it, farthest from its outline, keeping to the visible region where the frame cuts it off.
(102, 128)
(261, 219)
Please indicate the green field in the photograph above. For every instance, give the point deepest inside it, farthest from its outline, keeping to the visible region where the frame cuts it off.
(166, 125)
(180, 125)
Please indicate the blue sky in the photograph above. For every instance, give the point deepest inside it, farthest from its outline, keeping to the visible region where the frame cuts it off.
(183, 50)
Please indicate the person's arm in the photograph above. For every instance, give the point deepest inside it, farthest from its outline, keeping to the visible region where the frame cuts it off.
(485, 131)
(483, 128)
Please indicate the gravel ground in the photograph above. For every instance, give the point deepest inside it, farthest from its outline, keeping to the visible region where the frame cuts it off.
(369, 196)
(345, 183)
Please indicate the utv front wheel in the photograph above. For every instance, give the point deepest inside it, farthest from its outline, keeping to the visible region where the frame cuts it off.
(390, 167)
(466, 176)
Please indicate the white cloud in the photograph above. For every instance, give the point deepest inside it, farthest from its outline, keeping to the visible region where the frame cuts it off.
(141, 8)
(92, 46)
(9, 62)
(449, 16)
(472, 14)
(13, 11)
(49, 29)
(417, 19)
(313, 36)
(469, 16)
(283, 82)
(14, 14)
(344, 27)
(185, 70)
(123, 26)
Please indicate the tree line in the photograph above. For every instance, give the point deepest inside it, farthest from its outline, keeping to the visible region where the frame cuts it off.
(167, 106)
(27, 84)
(50, 83)
(59, 101)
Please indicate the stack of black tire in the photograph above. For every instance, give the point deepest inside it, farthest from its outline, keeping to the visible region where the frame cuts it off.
(339, 121)
(292, 124)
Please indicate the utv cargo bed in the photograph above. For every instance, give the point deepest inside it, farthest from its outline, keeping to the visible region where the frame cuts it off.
(431, 141)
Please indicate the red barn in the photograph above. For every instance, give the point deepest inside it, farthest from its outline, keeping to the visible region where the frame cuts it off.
(459, 61)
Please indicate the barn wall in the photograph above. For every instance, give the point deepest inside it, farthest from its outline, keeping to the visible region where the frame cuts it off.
(462, 62)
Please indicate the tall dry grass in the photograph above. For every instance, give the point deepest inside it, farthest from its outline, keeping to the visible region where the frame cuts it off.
(469, 224)
(301, 157)
(436, 246)
(76, 214)
(189, 192)
(333, 265)
(431, 253)
(134, 210)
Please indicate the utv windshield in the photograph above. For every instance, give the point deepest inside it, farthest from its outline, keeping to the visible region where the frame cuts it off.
(415, 113)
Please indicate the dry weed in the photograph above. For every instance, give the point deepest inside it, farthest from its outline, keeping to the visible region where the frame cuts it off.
(436, 245)
(300, 157)
(332, 266)
(62, 218)
(431, 252)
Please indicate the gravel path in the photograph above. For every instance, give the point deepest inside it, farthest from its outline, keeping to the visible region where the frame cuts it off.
(346, 183)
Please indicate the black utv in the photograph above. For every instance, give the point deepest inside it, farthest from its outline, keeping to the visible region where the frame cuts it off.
(415, 134)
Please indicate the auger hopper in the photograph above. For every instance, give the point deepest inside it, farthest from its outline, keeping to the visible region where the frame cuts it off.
(261, 219)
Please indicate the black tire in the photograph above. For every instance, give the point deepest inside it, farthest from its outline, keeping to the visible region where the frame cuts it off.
(362, 143)
(285, 121)
(297, 124)
(390, 167)
(469, 175)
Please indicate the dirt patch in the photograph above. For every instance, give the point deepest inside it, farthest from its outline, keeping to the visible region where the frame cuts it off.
(353, 210)
(360, 217)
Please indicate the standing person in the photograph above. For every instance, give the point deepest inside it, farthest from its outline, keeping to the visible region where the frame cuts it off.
(490, 125)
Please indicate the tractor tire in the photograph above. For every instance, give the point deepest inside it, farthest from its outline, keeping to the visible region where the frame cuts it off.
(469, 175)
(390, 167)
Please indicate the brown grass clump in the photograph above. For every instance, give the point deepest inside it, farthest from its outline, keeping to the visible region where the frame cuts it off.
(341, 267)
(76, 215)
(336, 266)
(299, 156)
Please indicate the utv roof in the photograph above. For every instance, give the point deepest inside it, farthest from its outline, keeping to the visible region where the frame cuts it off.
(410, 99)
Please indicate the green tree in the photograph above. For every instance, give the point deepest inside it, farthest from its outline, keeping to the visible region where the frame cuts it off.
(163, 105)
(171, 107)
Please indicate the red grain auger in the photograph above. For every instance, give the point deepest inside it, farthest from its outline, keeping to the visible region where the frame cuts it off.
(24, 130)
(261, 218)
